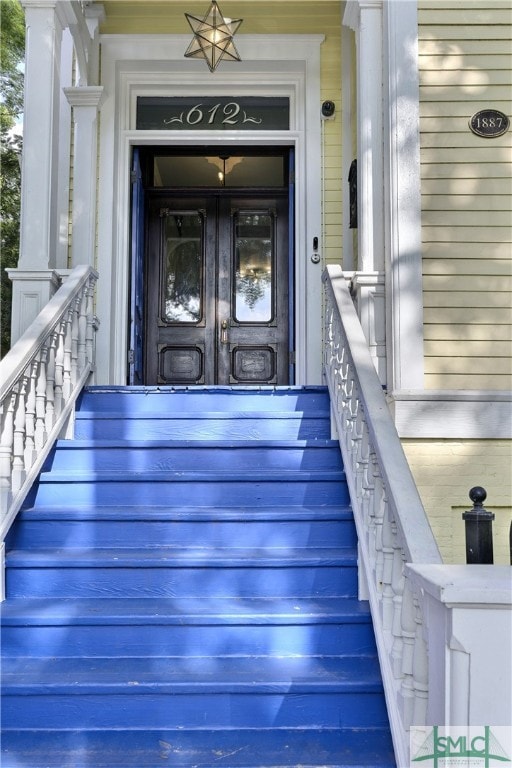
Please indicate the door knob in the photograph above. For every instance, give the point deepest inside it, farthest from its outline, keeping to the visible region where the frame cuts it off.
(224, 332)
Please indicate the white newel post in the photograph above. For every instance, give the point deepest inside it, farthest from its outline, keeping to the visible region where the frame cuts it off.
(467, 626)
(86, 102)
(34, 281)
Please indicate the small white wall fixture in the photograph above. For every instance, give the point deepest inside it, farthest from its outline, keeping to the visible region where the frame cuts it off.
(152, 65)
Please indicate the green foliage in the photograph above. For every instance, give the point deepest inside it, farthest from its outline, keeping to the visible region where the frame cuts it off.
(12, 44)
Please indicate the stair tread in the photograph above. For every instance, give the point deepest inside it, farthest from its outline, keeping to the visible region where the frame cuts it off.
(250, 445)
(190, 475)
(231, 748)
(196, 674)
(197, 415)
(96, 512)
(200, 610)
(181, 557)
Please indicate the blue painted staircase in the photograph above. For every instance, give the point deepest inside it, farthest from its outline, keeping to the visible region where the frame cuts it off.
(182, 591)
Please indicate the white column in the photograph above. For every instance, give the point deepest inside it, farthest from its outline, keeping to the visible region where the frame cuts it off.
(38, 231)
(85, 102)
(365, 17)
(402, 188)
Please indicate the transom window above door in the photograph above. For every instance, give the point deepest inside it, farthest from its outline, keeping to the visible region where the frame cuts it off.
(218, 170)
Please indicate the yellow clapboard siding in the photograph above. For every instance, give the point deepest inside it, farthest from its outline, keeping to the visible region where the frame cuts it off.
(477, 188)
(477, 315)
(482, 153)
(465, 32)
(471, 365)
(465, 170)
(461, 78)
(474, 218)
(483, 235)
(469, 251)
(440, 47)
(462, 62)
(468, 381)
(468, 332)
(471, 299)
(462, 140)
(457, 268)
(468, 16)
(471, 201)
(481, 91)
(468, 282)
(481, 348)
(463, 109)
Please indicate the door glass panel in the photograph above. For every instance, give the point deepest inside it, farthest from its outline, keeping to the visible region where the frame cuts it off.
(253, 244)
(182, 278)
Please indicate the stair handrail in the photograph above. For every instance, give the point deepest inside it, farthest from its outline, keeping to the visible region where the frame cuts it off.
(392, 526)
(40, 379)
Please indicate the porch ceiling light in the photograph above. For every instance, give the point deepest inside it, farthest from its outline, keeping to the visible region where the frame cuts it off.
(213, 37)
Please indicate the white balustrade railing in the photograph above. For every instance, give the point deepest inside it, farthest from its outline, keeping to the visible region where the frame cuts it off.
(40, 379)
(392, 525)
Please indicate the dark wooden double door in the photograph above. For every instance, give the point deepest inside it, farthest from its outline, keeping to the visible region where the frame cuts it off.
(216, 290)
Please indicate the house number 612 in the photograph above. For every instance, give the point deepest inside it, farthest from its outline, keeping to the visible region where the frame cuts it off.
(230, 111)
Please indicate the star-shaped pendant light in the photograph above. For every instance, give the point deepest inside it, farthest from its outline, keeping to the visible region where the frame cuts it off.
(213, 37)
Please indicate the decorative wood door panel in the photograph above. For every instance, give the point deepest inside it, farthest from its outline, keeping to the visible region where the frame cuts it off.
(217, 290)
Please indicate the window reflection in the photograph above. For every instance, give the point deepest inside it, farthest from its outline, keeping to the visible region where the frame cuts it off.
(253, 267)
(182, 278)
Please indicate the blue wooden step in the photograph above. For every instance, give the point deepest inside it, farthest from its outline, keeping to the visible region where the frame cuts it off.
(183, 572)
(182, 590)
(188, 692)
(210, 488)
(229, 748)
(183, 425)
(224, 399)
(233, 455)
(121, 526)
(166, 627)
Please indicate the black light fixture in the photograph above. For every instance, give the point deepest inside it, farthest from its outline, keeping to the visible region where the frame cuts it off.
(213, 37)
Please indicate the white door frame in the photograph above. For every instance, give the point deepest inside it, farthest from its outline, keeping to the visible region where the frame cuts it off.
(150, 65)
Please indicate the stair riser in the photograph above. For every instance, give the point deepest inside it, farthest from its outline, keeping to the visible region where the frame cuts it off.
(59, 533)
(201, 429)
(174, 401)
(186, 748)
(185, 640)
(181, 582)
(174, 492)
(141, 459)
(222, 710)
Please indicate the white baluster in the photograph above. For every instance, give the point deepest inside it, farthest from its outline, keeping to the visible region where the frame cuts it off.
(6, 451)
(40, 436)
(91, 326)
(398, 581)
(59, 365)
(50, 384)
(408, 620)
(82, 331)
(74, 315)
(30, 425)
(18, 453)
(420, 670)
(387, 570)
(66, 382)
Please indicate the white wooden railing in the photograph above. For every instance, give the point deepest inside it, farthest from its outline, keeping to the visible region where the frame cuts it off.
(392, 525)
(40, 379)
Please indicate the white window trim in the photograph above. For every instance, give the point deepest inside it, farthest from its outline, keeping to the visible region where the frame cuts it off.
(153, 64)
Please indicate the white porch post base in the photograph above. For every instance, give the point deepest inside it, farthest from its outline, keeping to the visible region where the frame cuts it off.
(31, 290)
(467, 625)
(368, 289)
